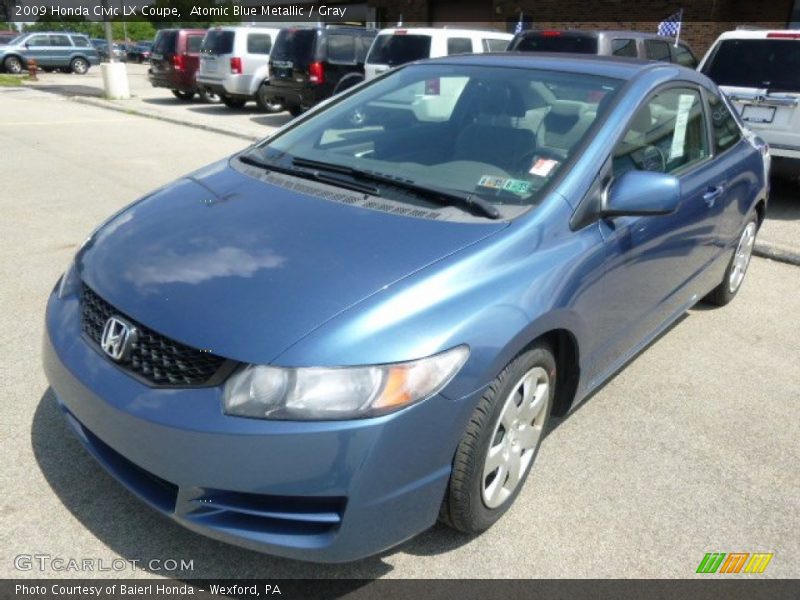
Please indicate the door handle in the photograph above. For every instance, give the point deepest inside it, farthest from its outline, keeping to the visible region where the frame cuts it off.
(710, 197)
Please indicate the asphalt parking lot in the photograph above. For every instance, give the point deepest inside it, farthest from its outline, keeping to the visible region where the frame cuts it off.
(691, 449)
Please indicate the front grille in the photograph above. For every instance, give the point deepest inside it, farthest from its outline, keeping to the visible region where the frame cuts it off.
(153, 357)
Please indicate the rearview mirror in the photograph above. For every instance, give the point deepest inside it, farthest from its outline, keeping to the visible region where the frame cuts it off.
(641, 193)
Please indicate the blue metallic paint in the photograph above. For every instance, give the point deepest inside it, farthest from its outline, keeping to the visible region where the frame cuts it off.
(261, 274)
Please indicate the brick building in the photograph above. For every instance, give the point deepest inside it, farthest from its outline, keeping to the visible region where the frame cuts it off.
(703, 20)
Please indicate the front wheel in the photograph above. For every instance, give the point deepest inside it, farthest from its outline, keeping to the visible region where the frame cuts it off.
(737, 267)
(184, 96)
(79, 66)
(500, 444)
(206, 96)
(13, 65)
(264, 102)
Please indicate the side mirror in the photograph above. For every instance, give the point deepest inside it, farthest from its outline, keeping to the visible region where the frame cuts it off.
(641, 193)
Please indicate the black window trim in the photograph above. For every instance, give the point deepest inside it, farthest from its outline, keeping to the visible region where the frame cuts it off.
(710, 126)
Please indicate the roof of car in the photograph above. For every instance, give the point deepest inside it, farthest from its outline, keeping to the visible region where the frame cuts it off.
(608, 66)
(758, 34)
(448, 31)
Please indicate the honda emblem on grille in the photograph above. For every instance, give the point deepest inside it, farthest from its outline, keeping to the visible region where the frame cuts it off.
(118, 338)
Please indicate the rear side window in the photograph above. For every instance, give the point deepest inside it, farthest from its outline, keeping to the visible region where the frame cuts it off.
(60, 40)
(494, 45)
(624, 47)
(259, 43)
(459, 46)
(193, 43)
(683, 56)
(655, 50)
(556, 41)
(165, 42)
(398, 49)
(341, 48)
(217, 42)
(723, 124)
(81, 42)
(296, 45)
(765, 63)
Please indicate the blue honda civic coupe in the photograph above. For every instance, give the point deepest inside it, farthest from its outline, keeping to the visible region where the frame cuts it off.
(361, 325)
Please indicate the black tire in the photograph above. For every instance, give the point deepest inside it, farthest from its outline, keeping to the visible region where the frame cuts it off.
(233, 102)
(79, 66)
(347, 82)
(184, 96)
(726, 291)
(13, 65)
(464, 507)
(264, 103)
(295, 110)
(206, 96)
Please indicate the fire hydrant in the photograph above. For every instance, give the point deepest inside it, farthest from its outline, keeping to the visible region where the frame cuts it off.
(32, 66)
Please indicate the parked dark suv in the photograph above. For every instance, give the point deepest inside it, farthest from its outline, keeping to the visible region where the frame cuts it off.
(308, 65)
(174, 61)
(633, 44)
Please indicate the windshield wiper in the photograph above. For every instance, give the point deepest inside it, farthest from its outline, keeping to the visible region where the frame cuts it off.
(251, 160)
(470, 201)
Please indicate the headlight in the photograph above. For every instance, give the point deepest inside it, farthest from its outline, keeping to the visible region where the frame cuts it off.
(68, 284)
(317, 393)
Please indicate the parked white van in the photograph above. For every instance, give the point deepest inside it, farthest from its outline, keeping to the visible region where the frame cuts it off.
(234, 64)
(759, 70)
(399, 45)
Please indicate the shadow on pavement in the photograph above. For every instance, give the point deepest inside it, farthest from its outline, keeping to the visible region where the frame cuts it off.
(69, 89)
(276, 120)
(784, 200)
(136, 532)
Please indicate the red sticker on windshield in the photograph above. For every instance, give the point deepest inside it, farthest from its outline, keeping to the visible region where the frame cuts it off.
(543, 166)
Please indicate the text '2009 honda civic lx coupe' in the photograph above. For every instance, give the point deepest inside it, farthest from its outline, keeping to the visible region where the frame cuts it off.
(319, 346)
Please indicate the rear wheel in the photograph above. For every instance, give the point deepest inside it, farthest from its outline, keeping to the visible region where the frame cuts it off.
(295, 110)
(737, 267)
(233, 102)
(264, 102)
(12, 64)
(500, 444)
(181, 95)
(79, 66)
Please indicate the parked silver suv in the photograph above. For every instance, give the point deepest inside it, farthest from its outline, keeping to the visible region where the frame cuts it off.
(234, 64)
(58, 50)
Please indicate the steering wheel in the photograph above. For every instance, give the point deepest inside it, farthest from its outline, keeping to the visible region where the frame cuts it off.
(650, 158)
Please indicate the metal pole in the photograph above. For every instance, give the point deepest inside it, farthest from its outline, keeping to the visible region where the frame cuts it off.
(109, 34)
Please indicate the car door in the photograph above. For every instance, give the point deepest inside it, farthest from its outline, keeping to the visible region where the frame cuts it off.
(38, 48)
(60, 50)
(654, 262)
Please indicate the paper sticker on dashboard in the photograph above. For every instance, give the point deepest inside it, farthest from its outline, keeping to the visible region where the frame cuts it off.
(542, 167)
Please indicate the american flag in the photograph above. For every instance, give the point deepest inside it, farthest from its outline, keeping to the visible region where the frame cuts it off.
(671, 26)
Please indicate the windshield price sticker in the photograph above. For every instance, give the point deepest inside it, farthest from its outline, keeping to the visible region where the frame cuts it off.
(685, 103)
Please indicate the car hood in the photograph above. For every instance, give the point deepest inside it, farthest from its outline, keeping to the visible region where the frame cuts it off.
(225, 262)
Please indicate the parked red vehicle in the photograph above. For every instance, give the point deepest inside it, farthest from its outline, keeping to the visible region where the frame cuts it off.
(174, 61)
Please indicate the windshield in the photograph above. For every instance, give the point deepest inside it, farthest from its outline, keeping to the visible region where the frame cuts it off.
(557, 42)
(772, 64)
(218, 42)
(295, 45)
(165, 41)
(398, 49)
(497, 133)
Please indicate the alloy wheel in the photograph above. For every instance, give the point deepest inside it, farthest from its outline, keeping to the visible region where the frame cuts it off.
(744, 251)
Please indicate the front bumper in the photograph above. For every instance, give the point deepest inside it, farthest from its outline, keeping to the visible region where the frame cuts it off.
(320, 491)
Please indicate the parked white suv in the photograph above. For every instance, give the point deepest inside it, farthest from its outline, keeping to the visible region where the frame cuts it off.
(399, 45)
(759, 70)
(234, 64)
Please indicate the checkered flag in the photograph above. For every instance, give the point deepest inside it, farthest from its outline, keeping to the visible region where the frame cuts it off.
(520, 24)
(671, 26)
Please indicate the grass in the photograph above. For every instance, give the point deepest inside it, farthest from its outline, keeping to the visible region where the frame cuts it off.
(11, 80)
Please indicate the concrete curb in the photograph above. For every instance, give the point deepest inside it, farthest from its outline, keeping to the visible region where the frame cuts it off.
(130, 110)
(777, 252)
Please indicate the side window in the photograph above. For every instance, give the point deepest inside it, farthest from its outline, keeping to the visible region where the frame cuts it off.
(60, 40)
(362, 47)
(80, 42)
(39, 40)
(723, 124)
(655, 50)
(494, 45)
(193, 43)
(341, 48)
(683, 56)
(624, 47)
(459, 46)
(666, 134)
(257, 43)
